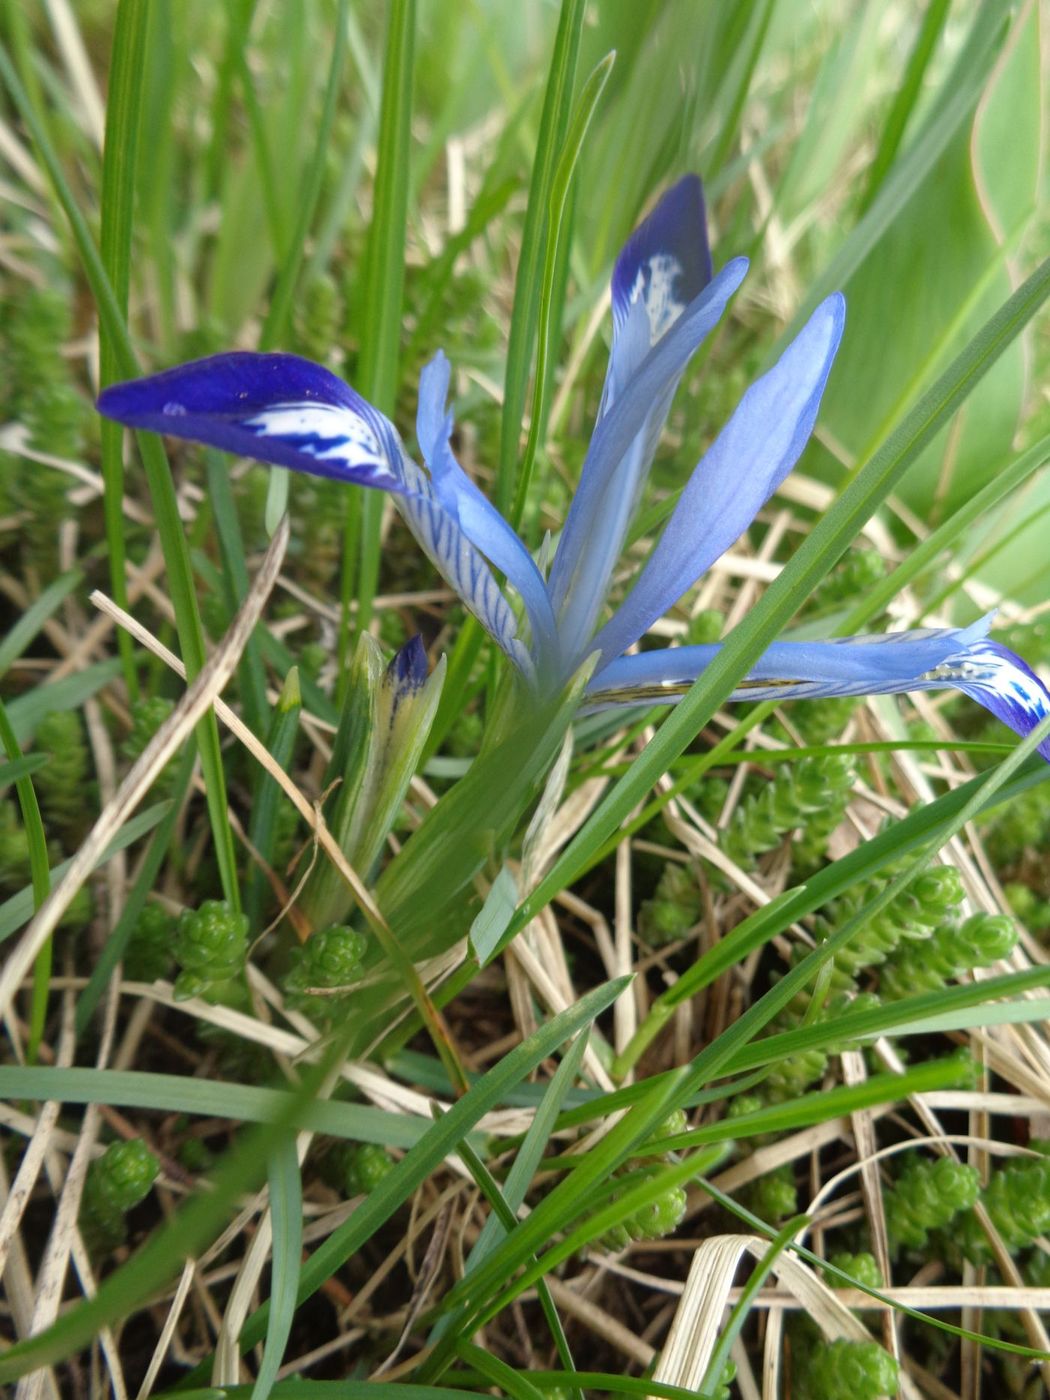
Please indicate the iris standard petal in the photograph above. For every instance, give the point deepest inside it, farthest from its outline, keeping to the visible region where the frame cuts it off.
(748, 460)
(478, 519)
(663, 266)
(617, 459)
(280, 409)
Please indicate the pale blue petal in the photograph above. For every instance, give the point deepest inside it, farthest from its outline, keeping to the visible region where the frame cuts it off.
(881, 664)
(743, 467)
(279, 409)
(949, 659)
(474, 514)
(619, 455)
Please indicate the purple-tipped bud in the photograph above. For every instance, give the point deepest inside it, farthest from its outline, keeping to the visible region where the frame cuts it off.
(408, 671)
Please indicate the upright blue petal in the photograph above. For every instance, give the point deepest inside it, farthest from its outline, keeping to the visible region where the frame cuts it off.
(479, 520)
(275, 408)
(617, 460)
(748, 460)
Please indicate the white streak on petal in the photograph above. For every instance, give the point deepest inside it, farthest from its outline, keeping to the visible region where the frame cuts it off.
(326, 432)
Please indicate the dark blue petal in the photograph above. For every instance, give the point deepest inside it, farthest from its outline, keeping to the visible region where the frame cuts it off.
(992, 675)
(666, 262)
(279, 409)
(408, 670)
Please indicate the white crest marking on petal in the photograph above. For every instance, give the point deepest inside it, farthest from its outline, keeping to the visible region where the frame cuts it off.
(985, 666)
(328, 432)
(656, 281)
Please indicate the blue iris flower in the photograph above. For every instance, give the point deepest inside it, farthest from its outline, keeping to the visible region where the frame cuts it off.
(288, 411)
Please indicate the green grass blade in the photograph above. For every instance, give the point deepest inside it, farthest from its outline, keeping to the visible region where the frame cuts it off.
(286, 1213)
(40, 876)
(554, 123)
(963, 89)
(292, 254)
(502, 1213)
(26, 712)
(927, 551)
(892, 133)
(497, 1372)
(21, 768)
(384, 285)
(124, 113)
(18, 910)
(34, 617)
(441, 1139)
(280, 744)
(145, 881)
(556, 233)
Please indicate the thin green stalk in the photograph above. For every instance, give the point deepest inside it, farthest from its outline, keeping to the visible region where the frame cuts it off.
(547, 331)
(158, 476)
(119, 162)
(40, 876)
(292, 253)
(892, 130)
(384, 287)
(553, 125)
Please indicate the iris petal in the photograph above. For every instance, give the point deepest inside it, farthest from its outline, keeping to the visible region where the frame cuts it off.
(865, 665)
(748, 460)
(619, 455)
(291, 412)
(275, 408)
(479, 520)
(1004, 684)
(664, 265)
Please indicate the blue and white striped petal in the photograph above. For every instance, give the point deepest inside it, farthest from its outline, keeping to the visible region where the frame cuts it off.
(745, 464)
(475, 515)
(894, 663)
(1002, 682)
(617, 461)
(879, 664)
(279, 409)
